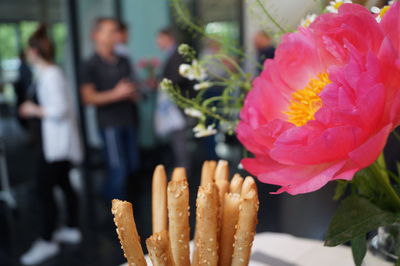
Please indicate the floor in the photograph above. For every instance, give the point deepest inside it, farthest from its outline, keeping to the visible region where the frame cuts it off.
(306, 215)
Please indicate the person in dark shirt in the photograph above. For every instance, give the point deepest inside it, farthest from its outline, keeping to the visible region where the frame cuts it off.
(107, 83)
(166, 41)
(264, 46)
(22, 85)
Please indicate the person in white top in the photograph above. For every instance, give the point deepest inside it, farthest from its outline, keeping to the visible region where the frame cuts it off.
(61, 147)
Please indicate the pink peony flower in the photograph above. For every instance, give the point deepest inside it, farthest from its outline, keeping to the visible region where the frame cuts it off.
(323, 108)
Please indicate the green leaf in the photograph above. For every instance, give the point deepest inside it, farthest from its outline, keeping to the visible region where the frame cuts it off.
(355, 217)
(340, 189)
(374, 184)
(359, 249)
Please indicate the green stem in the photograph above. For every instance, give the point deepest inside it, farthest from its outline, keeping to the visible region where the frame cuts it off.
(270, 17)
(216, 98)
(187, 19)
(386, 185)
(189, 103)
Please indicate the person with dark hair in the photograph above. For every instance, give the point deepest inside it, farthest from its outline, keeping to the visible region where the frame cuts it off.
(167, 42)
(22, 85)
(61, 148)
(107, 83)
(122, 36)
(264, 46)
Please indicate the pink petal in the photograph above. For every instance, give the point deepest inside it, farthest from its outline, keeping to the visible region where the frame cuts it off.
(317, 147)
(302, 179)
(368, 152)
(391, 25)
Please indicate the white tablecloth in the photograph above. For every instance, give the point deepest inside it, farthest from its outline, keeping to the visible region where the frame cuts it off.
(274, 249)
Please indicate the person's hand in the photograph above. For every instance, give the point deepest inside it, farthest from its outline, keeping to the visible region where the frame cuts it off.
(135, 95)
(29, 110)
(124, 90)
(151, 83)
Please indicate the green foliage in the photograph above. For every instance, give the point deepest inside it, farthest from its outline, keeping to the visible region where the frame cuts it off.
(27, 28)
(355, 217)
(359, 249)
(9, 42)
(340, 189)
(59, 34)
(374, 184)
(374, 202)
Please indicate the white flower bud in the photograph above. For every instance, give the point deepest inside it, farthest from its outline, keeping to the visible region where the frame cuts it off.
(202, 85)
(166, 84)
(193, 112)
(201, 131)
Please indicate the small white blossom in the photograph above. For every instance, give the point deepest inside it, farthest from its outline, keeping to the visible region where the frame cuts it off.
(193, 112)
(185, 70)
(166, 84)
(334, 5)
(183, 49)
(198, 72)
(193, 72)
(201, 131)
(381, 11)
(202, 85)
(305, 22)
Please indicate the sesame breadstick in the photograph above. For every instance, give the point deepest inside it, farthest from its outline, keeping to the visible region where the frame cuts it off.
(248, 185)
(236, 184)
(230, 215)
(207, 225)
(207, 173)
(245, 229)
(159, 200)
(221, 179)
(213, 165)
(178, 214)
(159, 249)
(179, 173)
(127, 232)
(222, 170)
(207, 176)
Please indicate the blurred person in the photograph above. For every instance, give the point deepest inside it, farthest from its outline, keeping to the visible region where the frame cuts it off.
(122, 38)
(23, 84)
(216, 68)
(25, 90)
(264, 46)
(61, 148)
(167, 42)
(107, 83)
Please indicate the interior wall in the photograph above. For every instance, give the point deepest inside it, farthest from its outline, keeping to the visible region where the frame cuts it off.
(144, 19)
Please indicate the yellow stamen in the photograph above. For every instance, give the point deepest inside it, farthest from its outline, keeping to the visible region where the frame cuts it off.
(337, 5)
(306, 102)
(383, 11)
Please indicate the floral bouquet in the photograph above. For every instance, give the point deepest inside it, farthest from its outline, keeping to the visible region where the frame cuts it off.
(320, 111)
(149, 66)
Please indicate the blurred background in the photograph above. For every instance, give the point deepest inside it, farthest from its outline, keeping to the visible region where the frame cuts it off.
(71, 27)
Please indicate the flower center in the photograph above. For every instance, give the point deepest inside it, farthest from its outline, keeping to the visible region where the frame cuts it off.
(383, 11)
(337, 5)
(306, 102)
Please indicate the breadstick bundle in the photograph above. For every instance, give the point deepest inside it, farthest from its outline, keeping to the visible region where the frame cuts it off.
(226, 218)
